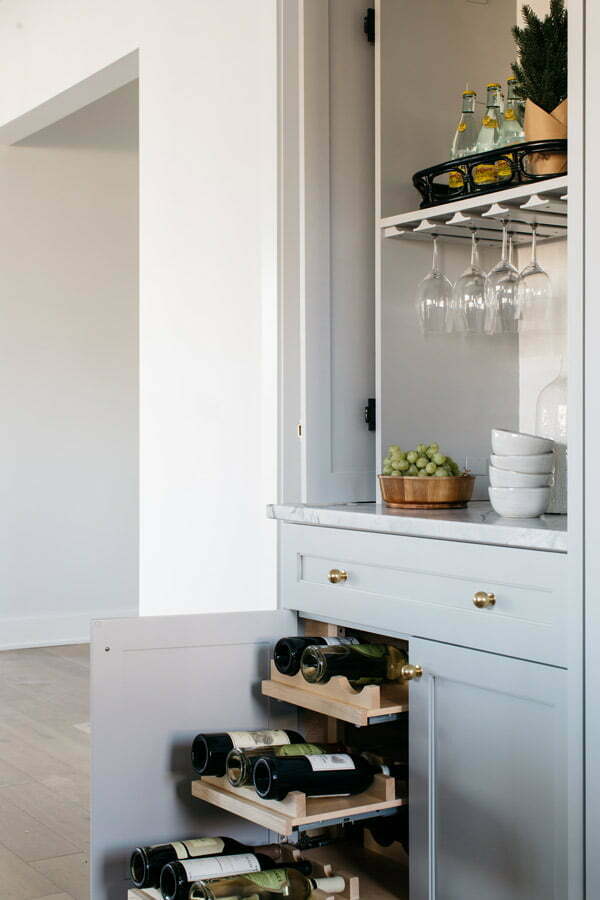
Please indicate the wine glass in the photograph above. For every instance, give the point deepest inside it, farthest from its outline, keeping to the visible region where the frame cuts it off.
(433, 297)
(502, 291)
(468, 297)
(535, 287)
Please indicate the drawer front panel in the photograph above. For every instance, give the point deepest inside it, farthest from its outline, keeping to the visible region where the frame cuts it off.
(426, 588)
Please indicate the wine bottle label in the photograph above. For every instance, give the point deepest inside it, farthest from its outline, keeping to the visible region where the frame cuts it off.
(219, 866)
(375, 651)
(299, 750)
(249, 740)
(198, 847)
(329, 762)
(272, 879)
(336, 641)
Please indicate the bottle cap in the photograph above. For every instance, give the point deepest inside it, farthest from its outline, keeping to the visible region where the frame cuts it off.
(494, 84)
(511, 80)
(333, 885)
(469, 93)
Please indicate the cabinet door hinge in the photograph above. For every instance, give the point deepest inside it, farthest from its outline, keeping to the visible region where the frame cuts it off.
(370, 415)
(369, 25)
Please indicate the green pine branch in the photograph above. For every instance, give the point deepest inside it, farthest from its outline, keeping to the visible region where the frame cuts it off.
(541, 70)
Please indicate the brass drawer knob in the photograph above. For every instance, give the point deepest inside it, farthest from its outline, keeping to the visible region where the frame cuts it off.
(482, 599)
(337, 576)
(408, 672)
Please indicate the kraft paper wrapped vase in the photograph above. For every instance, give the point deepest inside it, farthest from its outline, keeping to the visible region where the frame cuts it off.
(543, 126)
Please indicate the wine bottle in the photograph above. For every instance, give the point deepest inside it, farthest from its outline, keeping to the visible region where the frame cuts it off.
(361, 664)
(387, 829)
(288, 650)
(209, 751)
(147, 862)
(240, 763)
(177, 877)
(327, 775)
(270, 885)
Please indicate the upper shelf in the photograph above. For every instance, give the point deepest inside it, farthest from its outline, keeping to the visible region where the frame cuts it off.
(544, 204)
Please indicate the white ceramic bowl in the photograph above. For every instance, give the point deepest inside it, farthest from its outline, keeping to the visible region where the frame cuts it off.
(536, 464)
(520, 503)
(516, 443)
(505, 478)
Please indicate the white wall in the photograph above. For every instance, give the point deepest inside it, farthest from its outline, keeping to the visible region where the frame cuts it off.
(68, 388)
(207, 270)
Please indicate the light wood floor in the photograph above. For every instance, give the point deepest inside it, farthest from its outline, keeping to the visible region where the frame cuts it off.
(44, 773)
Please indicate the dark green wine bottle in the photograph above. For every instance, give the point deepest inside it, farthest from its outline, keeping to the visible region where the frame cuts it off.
(209, 751)
(326, 775)
(288, 650)
(147, 862)
(361, 664)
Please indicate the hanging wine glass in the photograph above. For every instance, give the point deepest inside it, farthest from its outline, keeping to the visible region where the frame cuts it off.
(468, 297)
(433, 297)
(535, 287)
(502, 302)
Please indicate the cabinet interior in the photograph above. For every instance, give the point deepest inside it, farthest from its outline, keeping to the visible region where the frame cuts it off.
(371, 870)
(448, 388)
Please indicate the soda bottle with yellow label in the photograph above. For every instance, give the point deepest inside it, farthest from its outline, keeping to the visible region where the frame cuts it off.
(489, 135)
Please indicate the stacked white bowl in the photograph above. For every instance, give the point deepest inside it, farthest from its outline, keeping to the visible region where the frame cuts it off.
(521, 467)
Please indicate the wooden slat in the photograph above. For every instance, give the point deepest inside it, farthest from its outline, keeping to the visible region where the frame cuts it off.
(146, 894)
(337, 698)
(297, 809)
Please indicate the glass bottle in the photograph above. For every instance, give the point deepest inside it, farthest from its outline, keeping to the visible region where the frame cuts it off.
(489, 135)
(361, 663)
(465, 136)
(511, 128)
(271, 885)
(551, 422)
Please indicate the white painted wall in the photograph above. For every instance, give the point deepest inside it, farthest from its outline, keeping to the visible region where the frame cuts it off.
(208, 362)
(69, 384)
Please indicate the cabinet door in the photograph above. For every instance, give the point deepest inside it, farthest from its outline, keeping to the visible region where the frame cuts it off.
(156, 682)
(487, 777)
(327, 251)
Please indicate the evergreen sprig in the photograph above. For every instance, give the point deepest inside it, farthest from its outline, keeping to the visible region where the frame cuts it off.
(541, 71)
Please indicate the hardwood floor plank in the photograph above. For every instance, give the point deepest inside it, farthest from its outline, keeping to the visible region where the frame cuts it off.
(69, 873)
(28, 838)
(67, 819)
(20, 881)
(10, 775)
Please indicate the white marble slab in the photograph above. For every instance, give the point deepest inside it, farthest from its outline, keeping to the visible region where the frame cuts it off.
(477, 524)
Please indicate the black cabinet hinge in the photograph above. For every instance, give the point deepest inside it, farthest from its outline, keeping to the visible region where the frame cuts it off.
(370, 418)
(369, 25)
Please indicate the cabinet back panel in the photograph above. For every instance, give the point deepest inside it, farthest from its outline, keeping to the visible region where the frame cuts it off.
(429, 51)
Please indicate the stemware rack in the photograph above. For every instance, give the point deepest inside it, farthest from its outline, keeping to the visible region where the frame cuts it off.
(544, 205)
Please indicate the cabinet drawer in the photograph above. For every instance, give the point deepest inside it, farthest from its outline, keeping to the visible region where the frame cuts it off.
(425, 588)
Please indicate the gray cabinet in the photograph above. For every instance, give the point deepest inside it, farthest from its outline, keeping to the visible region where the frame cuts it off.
(487, 777)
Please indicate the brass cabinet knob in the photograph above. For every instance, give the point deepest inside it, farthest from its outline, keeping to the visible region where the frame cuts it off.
(336, 576)
(408, 672)
(482, 599)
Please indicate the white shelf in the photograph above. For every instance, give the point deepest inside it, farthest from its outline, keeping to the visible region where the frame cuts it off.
(544, 204)
(477, 524)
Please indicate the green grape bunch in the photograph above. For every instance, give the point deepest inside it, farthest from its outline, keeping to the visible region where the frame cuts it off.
(425, 461)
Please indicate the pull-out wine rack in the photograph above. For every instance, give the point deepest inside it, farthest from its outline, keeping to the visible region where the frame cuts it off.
(370, 706)
(327, 706)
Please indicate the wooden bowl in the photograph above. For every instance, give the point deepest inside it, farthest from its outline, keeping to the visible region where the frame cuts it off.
(414, 492)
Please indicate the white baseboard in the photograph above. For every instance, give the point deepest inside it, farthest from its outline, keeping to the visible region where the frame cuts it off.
(52, 631)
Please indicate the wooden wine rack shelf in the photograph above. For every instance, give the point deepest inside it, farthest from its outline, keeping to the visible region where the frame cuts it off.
(338, 699)
(144, 894)
(297, 810)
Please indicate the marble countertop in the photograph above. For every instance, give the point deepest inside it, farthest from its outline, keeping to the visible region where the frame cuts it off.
(477, 524)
